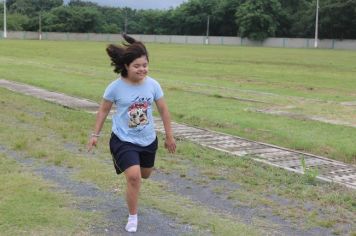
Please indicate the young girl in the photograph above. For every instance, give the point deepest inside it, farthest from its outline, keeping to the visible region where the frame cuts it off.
(133, 142)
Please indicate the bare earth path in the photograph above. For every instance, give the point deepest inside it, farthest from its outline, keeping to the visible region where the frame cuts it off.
(91, 198)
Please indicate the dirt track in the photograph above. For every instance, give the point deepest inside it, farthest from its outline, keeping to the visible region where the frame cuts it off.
(153, 222)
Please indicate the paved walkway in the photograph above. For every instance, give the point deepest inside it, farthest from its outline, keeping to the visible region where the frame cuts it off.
(328, 170)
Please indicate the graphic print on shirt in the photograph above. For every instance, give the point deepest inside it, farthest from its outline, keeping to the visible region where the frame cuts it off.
(138, 112)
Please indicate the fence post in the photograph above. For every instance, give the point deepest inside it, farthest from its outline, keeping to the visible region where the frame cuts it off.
(285, 42)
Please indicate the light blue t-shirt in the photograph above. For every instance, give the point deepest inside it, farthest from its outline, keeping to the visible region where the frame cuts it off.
(133, 120)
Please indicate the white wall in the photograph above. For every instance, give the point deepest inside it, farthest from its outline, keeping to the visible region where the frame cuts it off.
(186, 39)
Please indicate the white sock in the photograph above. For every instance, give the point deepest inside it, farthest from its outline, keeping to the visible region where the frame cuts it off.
(131, 225)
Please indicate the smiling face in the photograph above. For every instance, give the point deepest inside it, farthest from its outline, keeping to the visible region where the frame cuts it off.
(137, 70)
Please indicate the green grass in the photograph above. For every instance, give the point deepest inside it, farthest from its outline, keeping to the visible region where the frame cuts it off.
(213, 84)
(92, 168)
(58, 136)
(29, 206)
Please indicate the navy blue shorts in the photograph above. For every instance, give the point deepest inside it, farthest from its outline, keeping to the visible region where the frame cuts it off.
(127, 154)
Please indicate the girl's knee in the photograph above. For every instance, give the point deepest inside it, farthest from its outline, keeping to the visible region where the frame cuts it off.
(134, 179)
(146, 172)
(145, 175)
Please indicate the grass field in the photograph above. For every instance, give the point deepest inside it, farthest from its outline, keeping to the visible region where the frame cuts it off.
(53, 136)
(28, 205)
(301, 99)
(295, 98)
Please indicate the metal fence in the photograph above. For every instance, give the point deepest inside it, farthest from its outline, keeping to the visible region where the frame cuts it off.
(186, 39)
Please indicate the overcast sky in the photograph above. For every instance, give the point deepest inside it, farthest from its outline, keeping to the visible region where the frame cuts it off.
(139, 4)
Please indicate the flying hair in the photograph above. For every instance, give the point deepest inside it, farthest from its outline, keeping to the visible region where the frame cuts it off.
(129, 39)
(125, 54)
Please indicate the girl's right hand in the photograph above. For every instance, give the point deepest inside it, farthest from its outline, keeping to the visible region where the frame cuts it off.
(92, 142)
(170, 144)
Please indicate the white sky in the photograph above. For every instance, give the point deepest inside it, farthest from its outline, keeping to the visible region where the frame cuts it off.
(139, 4)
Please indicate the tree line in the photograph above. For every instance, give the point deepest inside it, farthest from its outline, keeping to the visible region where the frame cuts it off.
(255, 19)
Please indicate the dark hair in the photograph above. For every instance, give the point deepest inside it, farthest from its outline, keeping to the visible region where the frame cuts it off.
(125, 54)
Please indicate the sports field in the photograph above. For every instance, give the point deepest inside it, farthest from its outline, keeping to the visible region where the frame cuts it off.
(302, 99)
(295, 98)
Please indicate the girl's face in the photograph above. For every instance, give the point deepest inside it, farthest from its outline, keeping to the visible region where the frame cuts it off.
(137, 70)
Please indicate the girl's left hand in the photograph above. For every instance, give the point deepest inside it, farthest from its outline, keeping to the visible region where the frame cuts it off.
(170, 144)
(92, 143)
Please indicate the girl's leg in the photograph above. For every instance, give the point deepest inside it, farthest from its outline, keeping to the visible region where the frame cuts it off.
(133, 180)
(146, 172)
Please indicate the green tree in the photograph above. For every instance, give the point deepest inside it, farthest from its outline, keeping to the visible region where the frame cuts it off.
(132, 18)
(113, 20)
(32, 7)
(337, 19)
(298, 19)
(79, 3)
(255, 19)
(72, 19)
(23, 7)
(258, 19)
(16, 22)
(56, 20)
(224, 22)
(169, 23)
(149, 22)
(193, 15)
(85, 19)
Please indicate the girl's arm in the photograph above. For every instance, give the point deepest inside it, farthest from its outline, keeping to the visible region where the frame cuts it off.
(170, 143)
(103, 112)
